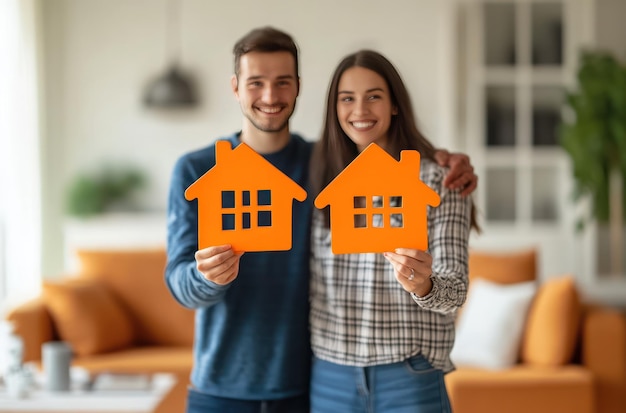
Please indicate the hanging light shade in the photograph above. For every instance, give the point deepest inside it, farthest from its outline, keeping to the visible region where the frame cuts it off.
(174, 88)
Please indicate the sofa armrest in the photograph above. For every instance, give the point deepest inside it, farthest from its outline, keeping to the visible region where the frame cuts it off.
(604, 353)
(33, 324)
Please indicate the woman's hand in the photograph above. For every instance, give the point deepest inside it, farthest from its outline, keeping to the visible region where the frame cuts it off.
(218, 264)
(412, 269)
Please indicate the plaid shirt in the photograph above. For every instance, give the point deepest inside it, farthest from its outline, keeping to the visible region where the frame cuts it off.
(361, 316)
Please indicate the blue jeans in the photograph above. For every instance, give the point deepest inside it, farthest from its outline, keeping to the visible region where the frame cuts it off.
(411, 386)
(198, 402)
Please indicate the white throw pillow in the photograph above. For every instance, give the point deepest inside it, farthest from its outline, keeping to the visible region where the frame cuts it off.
(490, 327)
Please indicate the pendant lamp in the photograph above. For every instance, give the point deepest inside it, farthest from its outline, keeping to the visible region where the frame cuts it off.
(174, 88)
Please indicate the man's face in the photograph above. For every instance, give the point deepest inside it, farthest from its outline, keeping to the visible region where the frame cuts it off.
(267, 88)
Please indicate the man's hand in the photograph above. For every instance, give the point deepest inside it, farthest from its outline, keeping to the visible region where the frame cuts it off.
(218, 264)
(461, 174)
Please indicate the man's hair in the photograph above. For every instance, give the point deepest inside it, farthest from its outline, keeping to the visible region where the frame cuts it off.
(265, 39)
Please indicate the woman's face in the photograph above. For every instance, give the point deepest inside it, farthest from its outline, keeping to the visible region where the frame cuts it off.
(364, 107)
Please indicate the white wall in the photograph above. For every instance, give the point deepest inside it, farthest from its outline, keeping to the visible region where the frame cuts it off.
(610, 27)
(100, 54)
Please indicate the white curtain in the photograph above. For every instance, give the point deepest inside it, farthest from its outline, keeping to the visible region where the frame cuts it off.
(20, 172)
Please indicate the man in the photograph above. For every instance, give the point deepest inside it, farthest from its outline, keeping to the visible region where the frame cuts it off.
(251, 349)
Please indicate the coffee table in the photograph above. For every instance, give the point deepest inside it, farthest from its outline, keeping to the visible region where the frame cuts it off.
(92, 401)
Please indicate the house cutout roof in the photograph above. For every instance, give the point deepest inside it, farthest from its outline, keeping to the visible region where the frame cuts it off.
(244, 201)
(378, 204)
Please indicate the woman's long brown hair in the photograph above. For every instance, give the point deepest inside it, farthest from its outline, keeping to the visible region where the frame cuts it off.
(334, 151)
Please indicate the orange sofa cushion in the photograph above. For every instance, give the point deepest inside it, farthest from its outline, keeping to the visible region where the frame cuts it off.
(151, 359)
(33, 323)
(137, 278)
(522, 389)
(88, 316)
(503, 267)
(553, 324)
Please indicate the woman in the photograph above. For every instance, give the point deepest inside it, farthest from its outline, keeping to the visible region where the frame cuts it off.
(382, 325)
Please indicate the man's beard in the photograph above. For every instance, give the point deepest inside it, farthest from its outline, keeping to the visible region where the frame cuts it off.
(268, 129)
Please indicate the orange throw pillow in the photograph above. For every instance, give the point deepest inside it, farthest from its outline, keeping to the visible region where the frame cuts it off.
(88, 316)
(135, 277)
(503, 267)
(553, 324)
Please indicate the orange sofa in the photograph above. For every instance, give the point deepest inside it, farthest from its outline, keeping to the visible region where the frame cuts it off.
(118, 316)
(572, 355)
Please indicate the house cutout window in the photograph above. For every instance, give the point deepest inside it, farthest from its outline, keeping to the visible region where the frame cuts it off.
(245, 222)
(396, 221)
(359, 202)
(379, 212)
(360, 221)
(228, 222)
(396, 218)
(377, 221)
(228, 199)
(265, 197)
(243, 214)
(265, 218)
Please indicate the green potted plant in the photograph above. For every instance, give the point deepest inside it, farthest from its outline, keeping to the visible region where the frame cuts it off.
(95, 192)
(593, 133)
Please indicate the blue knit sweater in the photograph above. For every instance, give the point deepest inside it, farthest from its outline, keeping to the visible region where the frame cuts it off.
(251, 336)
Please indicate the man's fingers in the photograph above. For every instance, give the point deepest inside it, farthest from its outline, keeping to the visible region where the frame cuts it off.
(459, 182)
(209, 252)
(228, 275)
(460, 166)
(442, 157)
(219, 264)
(220, 273)
(467, 182)
(469, 188)
(458, 176)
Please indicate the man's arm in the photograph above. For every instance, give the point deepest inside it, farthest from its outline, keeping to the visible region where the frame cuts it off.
(189, 286)
(461, 174)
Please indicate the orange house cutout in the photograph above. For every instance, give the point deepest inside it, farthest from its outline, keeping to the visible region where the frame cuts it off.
(378, 204)
(244, 201)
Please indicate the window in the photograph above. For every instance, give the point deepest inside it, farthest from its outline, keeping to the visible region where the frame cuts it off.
(252, 204)
(20, 202)
(380, 212)
(521, 72)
